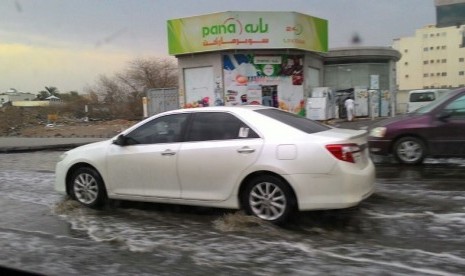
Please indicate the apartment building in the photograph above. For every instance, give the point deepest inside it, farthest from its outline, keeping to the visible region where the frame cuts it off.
(432, 58)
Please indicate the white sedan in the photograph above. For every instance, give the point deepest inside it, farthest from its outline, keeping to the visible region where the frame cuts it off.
(264, 160)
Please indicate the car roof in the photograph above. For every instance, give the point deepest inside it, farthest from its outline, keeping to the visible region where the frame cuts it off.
(233, 109)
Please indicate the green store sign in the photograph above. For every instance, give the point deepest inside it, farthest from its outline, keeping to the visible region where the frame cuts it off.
(247, 30)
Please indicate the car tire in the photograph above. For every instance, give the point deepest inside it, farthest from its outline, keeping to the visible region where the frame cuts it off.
(269, 198)
(87, 187)
(410, 150)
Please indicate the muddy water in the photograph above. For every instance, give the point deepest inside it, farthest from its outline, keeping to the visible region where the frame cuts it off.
(414, 224)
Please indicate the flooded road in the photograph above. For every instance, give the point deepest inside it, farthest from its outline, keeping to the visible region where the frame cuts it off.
(414, 224)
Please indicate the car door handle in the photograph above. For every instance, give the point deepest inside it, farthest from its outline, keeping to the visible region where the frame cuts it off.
(168, 153)
(245, 150)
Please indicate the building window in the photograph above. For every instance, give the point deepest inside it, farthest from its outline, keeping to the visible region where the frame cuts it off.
(406, 76)
(406, 51)
(431, 75)
(431, 48)
(461, 59)
(431, 35)
(431, 61)
(425, 75)
(405, 63)
(437, 48)
(444, 60)
(425, 62)
(438, 74)
(461, 73)
(425, 49)
(443, 47)
(444, 74)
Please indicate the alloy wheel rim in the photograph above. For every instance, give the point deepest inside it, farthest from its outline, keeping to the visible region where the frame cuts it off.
(85, 188)
(267, 201)
(410, 151)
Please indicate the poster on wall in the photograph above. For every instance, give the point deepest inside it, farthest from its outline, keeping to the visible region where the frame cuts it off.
(245, 77)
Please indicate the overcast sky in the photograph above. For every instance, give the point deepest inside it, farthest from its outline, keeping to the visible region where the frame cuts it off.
(69, 44)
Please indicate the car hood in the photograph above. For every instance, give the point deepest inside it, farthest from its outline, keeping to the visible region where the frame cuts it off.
(91, 146)
(410, 117)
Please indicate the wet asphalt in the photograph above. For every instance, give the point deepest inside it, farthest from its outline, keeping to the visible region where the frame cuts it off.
(414, 224)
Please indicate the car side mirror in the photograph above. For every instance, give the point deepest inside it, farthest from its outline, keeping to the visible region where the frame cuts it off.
(444, 115)
(121, 140)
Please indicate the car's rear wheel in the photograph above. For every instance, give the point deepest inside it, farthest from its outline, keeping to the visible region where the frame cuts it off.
(409, 150)
(269, 198)
(87, 187)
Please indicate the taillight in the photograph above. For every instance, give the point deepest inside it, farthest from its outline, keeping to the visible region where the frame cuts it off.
(344, 152)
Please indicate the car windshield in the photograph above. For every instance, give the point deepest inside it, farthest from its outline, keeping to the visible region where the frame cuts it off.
(427, 108)
(293, 120)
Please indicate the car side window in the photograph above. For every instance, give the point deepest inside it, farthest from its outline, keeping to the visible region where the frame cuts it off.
(207, 126)
(166, 129)
(457, 107)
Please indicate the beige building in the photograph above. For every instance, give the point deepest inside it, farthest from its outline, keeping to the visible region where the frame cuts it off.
(432, 58)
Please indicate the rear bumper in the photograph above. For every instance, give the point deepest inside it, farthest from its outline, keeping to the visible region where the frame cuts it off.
(344, 187)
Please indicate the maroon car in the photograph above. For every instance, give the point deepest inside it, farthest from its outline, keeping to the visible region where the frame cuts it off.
(436, 130)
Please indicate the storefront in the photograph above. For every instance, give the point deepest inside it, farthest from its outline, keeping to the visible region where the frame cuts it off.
(234, 58)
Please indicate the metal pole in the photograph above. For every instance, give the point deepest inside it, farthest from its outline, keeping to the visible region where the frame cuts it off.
(144, 106)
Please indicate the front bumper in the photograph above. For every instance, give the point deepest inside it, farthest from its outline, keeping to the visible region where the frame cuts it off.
(60, 178)
(379, 147)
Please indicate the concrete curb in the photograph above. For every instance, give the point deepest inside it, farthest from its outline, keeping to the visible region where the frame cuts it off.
(40, 148)
(22, 144)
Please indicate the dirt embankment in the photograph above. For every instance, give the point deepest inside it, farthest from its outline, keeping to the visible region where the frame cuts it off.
(29, 123)
(104, 129)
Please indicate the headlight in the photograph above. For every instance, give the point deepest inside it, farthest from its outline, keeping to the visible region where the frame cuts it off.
(378, 132)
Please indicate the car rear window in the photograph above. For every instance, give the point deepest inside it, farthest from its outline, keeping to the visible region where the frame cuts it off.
(293, 120)
(422, 97)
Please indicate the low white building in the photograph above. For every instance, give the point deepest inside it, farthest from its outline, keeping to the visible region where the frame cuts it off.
(13, 95)
(270, 58)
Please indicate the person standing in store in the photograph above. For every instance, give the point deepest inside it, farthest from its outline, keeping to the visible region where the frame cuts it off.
(350, 108)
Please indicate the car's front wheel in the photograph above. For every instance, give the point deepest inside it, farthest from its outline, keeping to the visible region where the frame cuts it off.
(269, 198)
(409, 150)
(87, 187)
